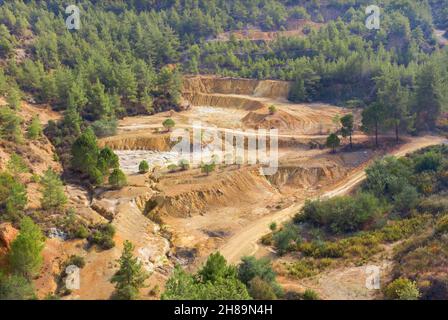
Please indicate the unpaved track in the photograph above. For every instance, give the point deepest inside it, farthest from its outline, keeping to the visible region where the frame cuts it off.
(245, 242)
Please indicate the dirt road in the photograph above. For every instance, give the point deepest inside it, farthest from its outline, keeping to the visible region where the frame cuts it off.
(245, 242)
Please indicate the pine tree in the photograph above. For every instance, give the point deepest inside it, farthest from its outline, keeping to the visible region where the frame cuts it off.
(17, 165)
(373, 118)
(117, 179)
(13, 97)
(347, 123)
(26, 250)
(333, 142)
(13, 197)
(428, 96)
(53, 195)
(85, 152)
(131, 277)
(35, 129)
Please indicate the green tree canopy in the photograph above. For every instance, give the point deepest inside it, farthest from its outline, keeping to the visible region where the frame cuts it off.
(130, 277)
(25, 257)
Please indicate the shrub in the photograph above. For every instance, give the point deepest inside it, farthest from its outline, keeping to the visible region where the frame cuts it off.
(402, 289)
(13, 197)
(103, 236)
(286, 238)
(143, 167)
(435, 204)
(184, 165)
(17, 165)
(272, 109)
(261, 290)
(251, 267)
(310, 294)
(26, 250)
(442, 224)
(168, 124)
(342, 214)
(104, 128)
(53, 195)
(15, 287)
(34, 129)
(118, 179)
(387, 176)
(172, 167)
(406, 200)
(82, 232)
(207, 168)
(76, 261)
(429, 161)
(333, 142)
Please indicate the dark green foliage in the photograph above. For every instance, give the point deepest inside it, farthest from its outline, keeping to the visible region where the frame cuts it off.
(429, 161)
(14, 287)
(109, 160)
(130, 277)
(117, 179)
(402, 289)
(25, 257)
(13, 197)
(53, 195)
(310, 295)
(259, 276)
(92, 162)
(10, 125)
(34, 129)
(215, 281)
(333, 142)
(286, 238)
(386, 178)
(76, 261)
(259, 289)
(103, 236)
(85, 152)
(17, 165)
(143, 167)
(105, 127)
(347, 123)
(342, 214)
(168, 124)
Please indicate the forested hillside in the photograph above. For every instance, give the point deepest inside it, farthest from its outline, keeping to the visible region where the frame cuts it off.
(129, 58)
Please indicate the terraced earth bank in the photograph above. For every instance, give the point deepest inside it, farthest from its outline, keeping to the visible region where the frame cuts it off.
(198, 212)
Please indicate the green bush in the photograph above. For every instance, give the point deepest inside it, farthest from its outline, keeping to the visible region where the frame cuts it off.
(172, 168)
(402, 289)
(35, 129)
(286, 239)
(442, 225)
(103, 236)
(76, 261)
(14, 287)
(184, 165)
(118, 179)
(260, 289)
(428, 161)
(310, 294)
(143, 167)
(435, 204)
(342, 214)
(13, 198)
(168, 124)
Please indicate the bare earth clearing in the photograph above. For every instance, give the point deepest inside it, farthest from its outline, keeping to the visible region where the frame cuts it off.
(183, 216)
